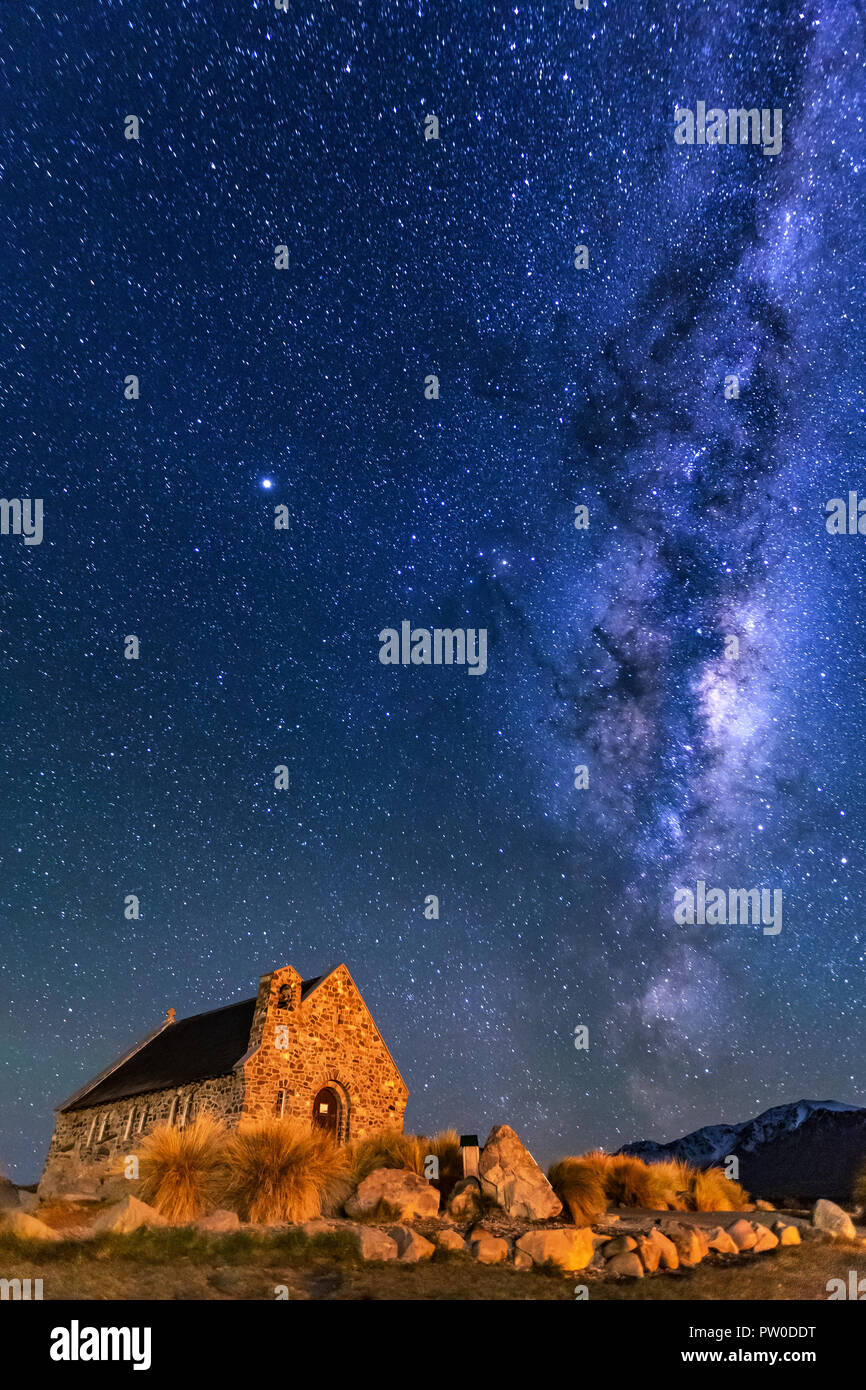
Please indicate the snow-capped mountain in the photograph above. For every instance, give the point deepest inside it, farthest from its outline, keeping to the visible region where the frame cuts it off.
(809, 1148)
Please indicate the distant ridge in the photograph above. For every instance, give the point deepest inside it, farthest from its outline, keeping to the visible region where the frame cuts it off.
(811, 1148)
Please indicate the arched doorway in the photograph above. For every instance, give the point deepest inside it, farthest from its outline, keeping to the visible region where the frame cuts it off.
(326, 1111)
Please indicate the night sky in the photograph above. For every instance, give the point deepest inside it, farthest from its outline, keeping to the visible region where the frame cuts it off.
(559, 387)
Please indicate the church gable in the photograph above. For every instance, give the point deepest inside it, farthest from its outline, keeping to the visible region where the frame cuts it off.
(317, 1054)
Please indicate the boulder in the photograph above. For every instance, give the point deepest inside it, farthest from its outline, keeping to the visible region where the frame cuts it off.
(487, 1248)
(668, 1253)
(451, 1240)
(788, 1235)
(20, 1223)
(619, 1245)
(691, 1245)
(465, 1203)
(128, 1215)
(761, 1205)
(410, 1246)
(27, 1201)
(743, 1234)
(409, 1194)
(826, 1216)
(375, 1244)
(510, 1175)
(720, 1241)
(765, 1241)
(648, 1253)
(626, 1265)
(219, 1221)
(569, 1248)
(522, 1260)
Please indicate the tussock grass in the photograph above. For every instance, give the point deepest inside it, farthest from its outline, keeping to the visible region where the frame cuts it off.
(590, 1183)
(445, 1145)
(391, 1148)
(284, 1170)
(182, 1170)
(710, 1190)
(579, 1185)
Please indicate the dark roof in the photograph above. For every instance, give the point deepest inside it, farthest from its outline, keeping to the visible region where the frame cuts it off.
(192, 1049)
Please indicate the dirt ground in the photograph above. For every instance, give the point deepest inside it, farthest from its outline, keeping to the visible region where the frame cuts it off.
(179, 1264)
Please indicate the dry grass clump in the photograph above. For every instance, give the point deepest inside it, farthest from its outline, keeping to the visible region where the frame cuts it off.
(393, 1149)
(591, 1183)
(284, 1170)
(579, 1185)
(445, 1146)
(710, 1190)
(389, 1149)
(182, 1169)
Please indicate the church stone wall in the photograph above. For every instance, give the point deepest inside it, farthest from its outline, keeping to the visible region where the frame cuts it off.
(332, 1040)
(76, 1165)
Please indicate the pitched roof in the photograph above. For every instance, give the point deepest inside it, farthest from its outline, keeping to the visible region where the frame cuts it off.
(192, 1049)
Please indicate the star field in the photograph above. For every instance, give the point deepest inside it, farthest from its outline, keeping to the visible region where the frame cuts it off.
(559, 387)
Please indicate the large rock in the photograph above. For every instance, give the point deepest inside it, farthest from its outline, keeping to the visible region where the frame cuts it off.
(19, 1223)
(723, 1243)
(826, 1216)
(788, 1235)
(743, 1234)
(690, 1243)
(619, 1245)
(571, 1248)
(410, 1196)
(626, 1265)
(510, 1175)
(128, 1215)
(27, 1201)
(410, 1246)
(655, 1251)
(648, 1253)
(487, 1248)
(765, 1241)
(375, 1244)
(465, 1203)
(668, 1254)
(448, 1239)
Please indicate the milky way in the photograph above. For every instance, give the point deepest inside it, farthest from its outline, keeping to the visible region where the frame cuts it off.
(559, 387)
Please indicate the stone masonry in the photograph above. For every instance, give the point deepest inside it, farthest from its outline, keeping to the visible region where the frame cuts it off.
(304, 1039)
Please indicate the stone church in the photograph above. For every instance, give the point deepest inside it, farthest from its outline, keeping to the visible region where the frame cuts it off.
(302, 1048)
